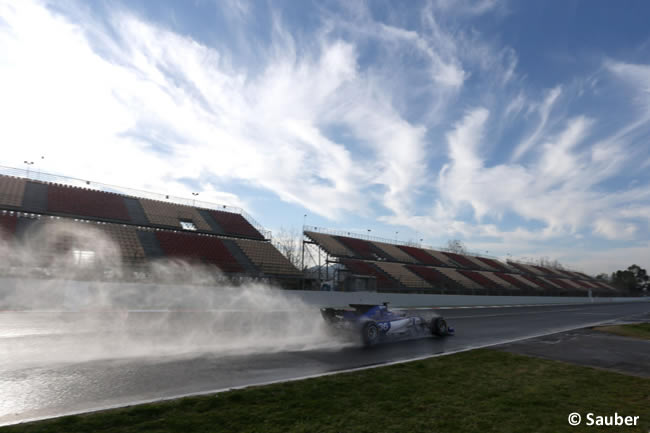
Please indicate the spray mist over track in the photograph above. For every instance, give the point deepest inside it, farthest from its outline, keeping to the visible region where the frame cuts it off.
(83, 307)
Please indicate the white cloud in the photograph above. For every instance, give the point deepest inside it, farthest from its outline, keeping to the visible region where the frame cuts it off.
(552, 189)
(156, 107)
(515, 106)
(467, 7)
(614, 230)
(544, 111)
(613, 259)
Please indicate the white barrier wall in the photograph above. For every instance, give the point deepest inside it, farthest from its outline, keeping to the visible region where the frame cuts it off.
(19, 293)
(340, 299)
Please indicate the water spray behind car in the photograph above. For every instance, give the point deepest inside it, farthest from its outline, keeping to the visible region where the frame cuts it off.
(180, 308)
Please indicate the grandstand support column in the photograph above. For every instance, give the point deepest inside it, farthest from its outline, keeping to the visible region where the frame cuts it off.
(310, 258)
(302, 253)
(327, 266)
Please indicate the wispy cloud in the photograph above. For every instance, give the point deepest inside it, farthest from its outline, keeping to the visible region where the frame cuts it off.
(544, 110)
(419, 120)
(151, 98)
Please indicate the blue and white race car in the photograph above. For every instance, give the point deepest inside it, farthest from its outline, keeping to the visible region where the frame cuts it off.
(376, 323)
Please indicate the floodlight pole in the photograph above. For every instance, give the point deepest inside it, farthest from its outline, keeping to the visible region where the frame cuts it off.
(302, 264)
(28, 163)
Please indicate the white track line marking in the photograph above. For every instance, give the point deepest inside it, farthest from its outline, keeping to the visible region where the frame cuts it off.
(328, 373)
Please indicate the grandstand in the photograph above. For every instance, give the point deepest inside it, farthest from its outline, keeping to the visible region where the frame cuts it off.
(142, 228)
(414, 269)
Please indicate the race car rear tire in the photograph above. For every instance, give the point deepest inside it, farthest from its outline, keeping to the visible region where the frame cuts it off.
(328, 314)
(439, 327)
(369, 333)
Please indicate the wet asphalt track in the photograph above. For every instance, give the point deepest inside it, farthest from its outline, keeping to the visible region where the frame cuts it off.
(44, 388)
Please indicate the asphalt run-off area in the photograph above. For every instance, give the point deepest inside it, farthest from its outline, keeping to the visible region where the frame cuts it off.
(54, 363)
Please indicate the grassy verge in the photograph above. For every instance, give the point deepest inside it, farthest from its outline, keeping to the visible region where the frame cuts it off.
(477, 391)
(637, 330)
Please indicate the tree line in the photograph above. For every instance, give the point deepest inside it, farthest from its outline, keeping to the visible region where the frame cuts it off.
(634, 279)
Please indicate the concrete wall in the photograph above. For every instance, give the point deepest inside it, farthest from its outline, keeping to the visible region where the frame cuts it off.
(413, 300)
(20, 293)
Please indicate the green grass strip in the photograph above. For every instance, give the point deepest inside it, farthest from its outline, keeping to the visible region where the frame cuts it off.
(637, 330)
(478, 391)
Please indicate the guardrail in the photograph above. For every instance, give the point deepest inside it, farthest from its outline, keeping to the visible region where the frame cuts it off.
(30, 293)
(343, 299)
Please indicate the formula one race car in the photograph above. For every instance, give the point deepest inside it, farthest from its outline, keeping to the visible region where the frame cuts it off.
(376, 323)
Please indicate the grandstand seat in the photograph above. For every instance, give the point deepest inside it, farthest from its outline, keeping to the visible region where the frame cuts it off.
(422, 256)
(195, 247)
(526, 269)
(395, 252)
(602, 288)
(363, 249)
(535, 282)
(481, 280)
(497, 266)
(235, 224)
(442, 258)
(35, 197)
(479, 264)
(568, 274)
(359, 267)
(136, 213)
(532, 269)
(581, 276)
(170, 214)
(553, 282)
(570, 288)
(402, 274)
(149, 243)
(517, 267)
(468, 283)
(267, 258)
(506, 286)
(516, 282)
(606, 286)
(85, 203)
(127, 239)
(462, 261)
(8, 224)
(437, 279)
(550, 271)
(583, 284)
(330, 245)
(572, 283)
(552, 286)
(12, 190)
(525, 282)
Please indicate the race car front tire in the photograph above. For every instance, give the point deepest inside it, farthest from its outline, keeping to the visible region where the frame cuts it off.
(439, 327)
(369, 333)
